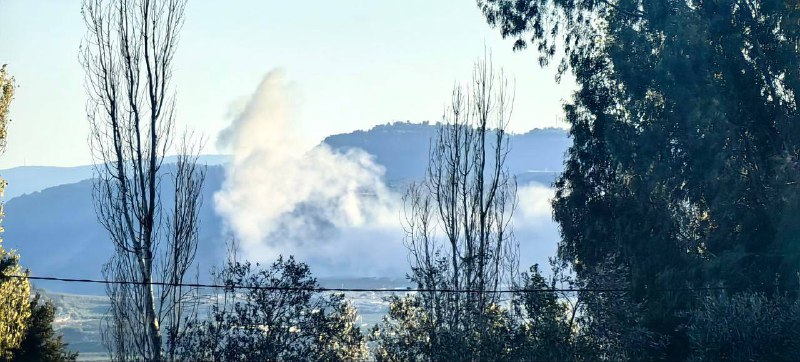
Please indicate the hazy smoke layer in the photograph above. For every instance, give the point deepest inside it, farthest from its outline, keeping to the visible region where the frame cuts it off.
(328, 208)
(534, 227)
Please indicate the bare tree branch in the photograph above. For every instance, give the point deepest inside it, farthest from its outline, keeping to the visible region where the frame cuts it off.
(127, 55)
(469, 197)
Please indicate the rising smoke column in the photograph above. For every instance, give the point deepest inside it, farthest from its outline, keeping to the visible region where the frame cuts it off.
(328, 208)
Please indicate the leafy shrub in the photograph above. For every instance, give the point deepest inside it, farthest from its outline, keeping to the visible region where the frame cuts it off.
(277, 314)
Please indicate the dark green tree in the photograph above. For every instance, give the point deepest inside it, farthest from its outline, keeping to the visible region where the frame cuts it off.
(41, 343)
(745, 327)
(273, 314)
(684, 166)
(542, 330)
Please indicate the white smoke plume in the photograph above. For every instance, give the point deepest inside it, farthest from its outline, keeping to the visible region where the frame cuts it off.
(534, 227)
(534, 204)
(328, 208)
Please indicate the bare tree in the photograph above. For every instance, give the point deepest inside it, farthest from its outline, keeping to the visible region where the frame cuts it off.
(127, 55)
(177, 301)
(469, 197)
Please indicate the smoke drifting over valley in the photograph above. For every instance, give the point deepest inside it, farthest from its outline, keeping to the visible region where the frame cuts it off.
(326, 207)
(534, 227)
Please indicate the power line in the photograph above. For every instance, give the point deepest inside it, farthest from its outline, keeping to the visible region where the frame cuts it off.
(376, 290)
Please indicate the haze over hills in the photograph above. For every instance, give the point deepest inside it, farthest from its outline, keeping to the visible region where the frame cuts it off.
(56, 232)
(27, 179)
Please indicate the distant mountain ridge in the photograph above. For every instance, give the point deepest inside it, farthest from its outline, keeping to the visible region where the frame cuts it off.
(56, 231)
(402, 147)
(27, 179)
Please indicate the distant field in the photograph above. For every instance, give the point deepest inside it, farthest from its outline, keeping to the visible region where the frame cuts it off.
(79, 316)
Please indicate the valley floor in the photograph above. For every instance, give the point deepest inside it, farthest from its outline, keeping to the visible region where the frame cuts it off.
(79, 317)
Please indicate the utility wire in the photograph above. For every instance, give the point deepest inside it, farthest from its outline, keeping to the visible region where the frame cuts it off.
(325, 289)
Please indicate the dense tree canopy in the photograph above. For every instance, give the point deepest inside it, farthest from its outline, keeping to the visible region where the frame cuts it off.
(684, 167)
(41, 342)
(274, 313)
(14, 303)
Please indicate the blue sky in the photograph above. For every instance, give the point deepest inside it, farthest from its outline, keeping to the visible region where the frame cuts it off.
(352, 64)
